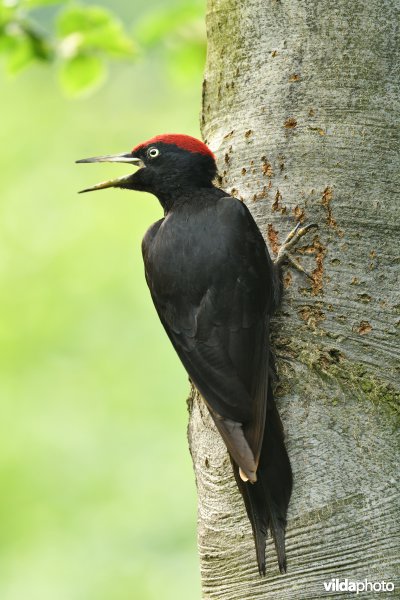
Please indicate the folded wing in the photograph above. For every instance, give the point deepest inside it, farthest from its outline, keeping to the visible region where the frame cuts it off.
(214, 304)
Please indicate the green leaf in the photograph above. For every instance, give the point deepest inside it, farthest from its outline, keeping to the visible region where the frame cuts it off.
(80, 19)
(7, 42)
(81, 74)
(164, 22)
(20, 53)
(23, 44)
(7, 14)
(41, 48)
(97, 29)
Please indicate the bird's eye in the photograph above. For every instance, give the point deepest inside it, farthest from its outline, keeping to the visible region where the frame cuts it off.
(153, 152)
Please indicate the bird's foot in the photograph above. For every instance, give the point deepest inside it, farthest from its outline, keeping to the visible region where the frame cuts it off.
(284, 251)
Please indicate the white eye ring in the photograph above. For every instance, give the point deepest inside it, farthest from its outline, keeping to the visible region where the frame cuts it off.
(153, 152)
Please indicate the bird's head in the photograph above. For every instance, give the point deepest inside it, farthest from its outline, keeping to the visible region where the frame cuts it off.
(167, 163)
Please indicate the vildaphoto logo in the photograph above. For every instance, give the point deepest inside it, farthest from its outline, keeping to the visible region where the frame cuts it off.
(358, 587)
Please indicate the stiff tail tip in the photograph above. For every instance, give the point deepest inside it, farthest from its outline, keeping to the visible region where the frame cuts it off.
(283, 567)
(252, 477)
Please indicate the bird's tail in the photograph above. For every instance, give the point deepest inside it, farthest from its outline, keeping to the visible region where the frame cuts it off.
(267, 500)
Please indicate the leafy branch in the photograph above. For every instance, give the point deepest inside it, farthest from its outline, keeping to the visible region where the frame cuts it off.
(82, 39)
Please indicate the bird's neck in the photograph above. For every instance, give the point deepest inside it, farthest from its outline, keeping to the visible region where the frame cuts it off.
(179, 193)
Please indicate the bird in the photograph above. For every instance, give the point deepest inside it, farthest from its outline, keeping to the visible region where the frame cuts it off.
(215, 288)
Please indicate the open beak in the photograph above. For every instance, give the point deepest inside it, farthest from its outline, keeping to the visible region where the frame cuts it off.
(119, 181)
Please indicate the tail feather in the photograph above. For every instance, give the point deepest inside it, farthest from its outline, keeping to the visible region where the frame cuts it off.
(267, 500)
(254, 501)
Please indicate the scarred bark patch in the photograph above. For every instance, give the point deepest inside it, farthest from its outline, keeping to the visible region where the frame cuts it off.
(326, 200)
(273, 238)
(290, 123)
(277, 205)
(363, 328)
(299, 213)
(312, 315)
(266, 167)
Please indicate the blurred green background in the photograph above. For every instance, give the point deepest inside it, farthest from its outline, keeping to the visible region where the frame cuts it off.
(98, 495)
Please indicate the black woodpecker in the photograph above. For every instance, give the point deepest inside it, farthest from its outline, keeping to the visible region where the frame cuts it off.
(215, 287)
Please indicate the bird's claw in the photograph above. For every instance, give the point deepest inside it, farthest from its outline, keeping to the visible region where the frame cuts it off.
(294, 236)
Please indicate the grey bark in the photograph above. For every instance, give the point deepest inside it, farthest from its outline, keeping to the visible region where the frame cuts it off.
(301, 104)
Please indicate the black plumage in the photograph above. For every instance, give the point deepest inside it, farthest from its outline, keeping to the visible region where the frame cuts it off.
(215, 288)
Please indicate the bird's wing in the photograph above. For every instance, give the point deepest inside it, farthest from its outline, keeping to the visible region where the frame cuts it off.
(214, 307)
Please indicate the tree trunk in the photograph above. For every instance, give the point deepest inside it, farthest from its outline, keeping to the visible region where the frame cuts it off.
(300, 104)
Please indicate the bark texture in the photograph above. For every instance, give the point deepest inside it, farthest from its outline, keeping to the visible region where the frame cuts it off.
(301, 105)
